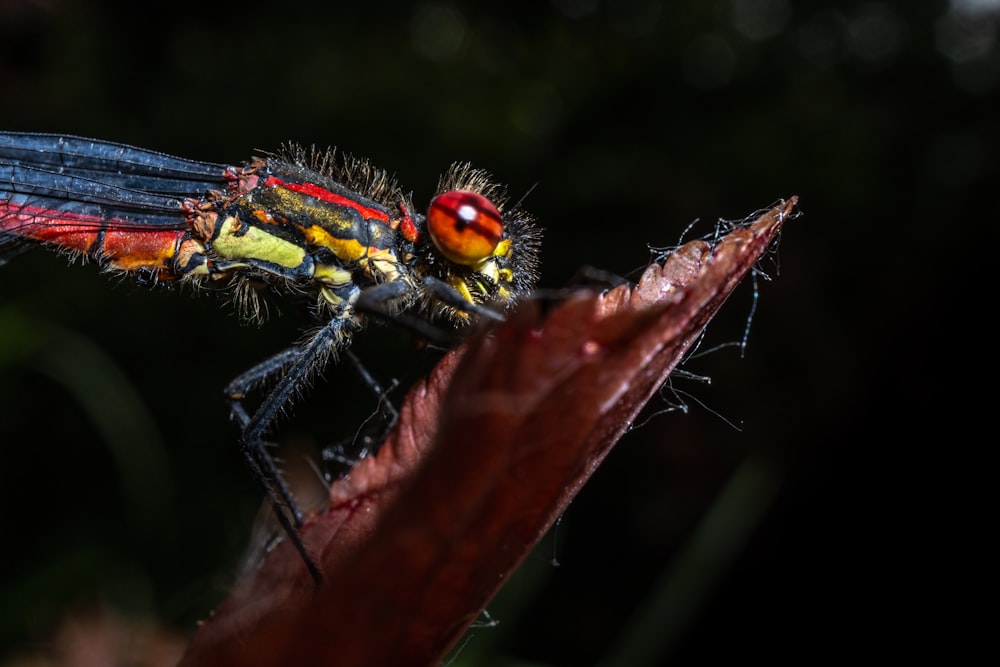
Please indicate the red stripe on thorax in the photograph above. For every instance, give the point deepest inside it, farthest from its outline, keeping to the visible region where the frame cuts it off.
(325, 195)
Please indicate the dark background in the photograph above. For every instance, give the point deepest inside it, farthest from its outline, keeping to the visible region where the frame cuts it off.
(817, 526)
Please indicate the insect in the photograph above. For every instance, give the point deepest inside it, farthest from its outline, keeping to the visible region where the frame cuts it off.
(299, 222)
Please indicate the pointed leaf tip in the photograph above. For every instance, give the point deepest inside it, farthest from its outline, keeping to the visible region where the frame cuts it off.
(489, 451)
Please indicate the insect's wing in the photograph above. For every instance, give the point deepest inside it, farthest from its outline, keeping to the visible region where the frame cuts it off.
(67, 191)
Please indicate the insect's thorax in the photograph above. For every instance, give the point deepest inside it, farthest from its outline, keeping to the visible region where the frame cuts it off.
(304, 232)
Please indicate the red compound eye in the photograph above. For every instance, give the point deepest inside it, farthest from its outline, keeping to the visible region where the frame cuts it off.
(465, 226)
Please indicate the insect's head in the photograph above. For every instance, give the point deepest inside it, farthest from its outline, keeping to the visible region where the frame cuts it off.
(486, 254)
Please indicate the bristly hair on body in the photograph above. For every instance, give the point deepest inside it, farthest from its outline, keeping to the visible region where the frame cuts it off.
(356, 173)
(376, 184)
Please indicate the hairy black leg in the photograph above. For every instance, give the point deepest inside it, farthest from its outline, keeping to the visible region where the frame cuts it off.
(295, 366)
(261, 373)
(448, 295)
(262, 466)
(272, 484)
(386, 416)
(378, 302)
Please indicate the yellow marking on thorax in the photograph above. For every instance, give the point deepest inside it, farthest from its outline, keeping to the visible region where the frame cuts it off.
(332, 275)
(347, 250)
(238, 241)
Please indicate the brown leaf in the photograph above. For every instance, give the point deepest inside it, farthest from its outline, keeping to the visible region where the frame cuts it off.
(489, 451)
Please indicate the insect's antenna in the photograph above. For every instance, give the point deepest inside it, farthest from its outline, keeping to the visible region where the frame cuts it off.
(527, 192)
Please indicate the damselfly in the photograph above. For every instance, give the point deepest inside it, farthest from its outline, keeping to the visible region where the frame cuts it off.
(299, 222)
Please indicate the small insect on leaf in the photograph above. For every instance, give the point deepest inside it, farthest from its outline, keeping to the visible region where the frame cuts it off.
(488, 452)
(332, 233)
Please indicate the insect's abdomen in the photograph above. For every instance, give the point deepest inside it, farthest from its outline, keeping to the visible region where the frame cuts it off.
(115, 244)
